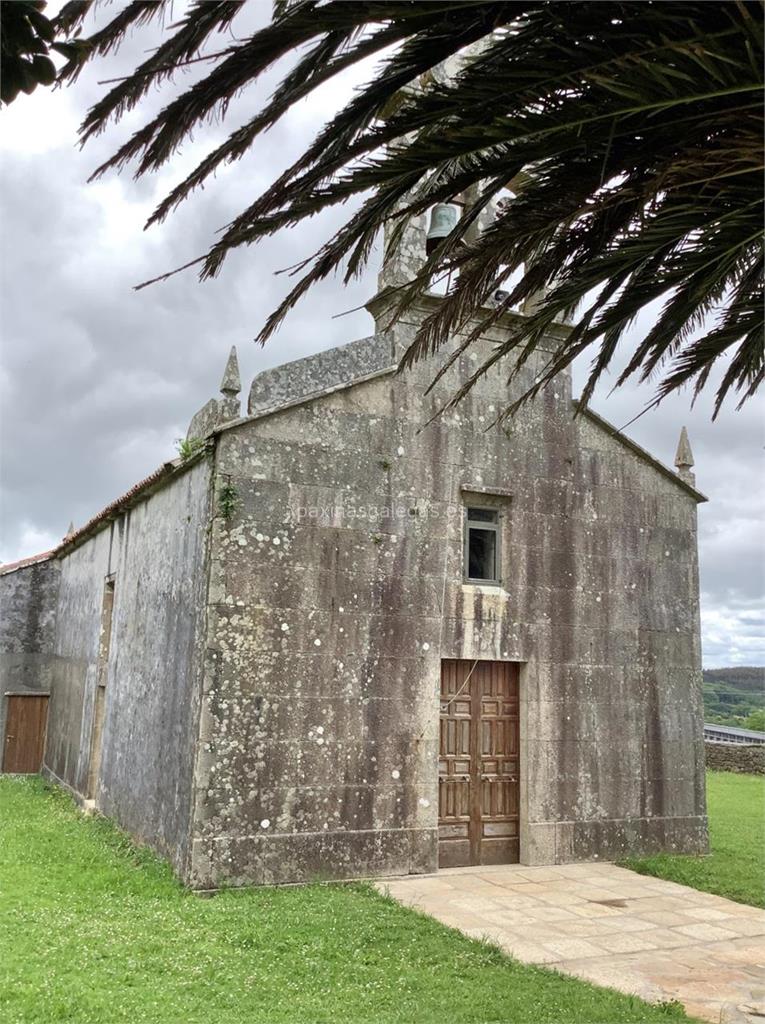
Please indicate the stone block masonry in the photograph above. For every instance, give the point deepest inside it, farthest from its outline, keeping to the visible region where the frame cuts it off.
(284, 601)
(735, 757)
(329, 617)
(28, 598)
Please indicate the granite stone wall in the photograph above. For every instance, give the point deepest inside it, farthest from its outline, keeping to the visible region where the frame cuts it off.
(28, 597)
(337, 588)
(743, 758)
(155, 555)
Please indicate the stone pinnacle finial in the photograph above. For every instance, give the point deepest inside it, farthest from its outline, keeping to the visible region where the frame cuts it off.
(70, 530)
(231, 384)
(684, 458)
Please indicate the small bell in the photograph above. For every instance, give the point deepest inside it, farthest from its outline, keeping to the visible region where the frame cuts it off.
(443, 220)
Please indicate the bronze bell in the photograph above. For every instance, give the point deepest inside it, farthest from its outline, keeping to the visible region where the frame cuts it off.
(443, 220)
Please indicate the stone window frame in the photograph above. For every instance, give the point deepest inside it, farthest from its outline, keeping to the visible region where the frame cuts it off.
(494, 526)
(493, 499)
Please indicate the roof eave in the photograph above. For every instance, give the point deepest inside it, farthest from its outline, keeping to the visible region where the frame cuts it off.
(303, 400)
(26, 563)
(140, 492)
(508, 319)
(646, 456)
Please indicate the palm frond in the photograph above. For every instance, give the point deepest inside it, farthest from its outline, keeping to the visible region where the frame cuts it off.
(639, 126)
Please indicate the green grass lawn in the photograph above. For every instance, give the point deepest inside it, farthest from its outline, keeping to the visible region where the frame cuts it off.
(736, 866)
(94, 930)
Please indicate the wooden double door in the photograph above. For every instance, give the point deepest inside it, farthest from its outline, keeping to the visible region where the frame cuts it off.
(479, 764)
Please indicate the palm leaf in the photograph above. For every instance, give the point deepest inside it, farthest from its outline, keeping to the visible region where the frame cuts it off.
(639, 127)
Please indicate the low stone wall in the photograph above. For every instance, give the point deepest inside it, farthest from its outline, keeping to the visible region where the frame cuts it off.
(735, 757)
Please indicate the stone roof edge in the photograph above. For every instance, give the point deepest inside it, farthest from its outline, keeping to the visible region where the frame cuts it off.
(507, 319)
(641, 452)
(24, 563)
(304, 399)
(375, 305)
(170, 470)
(386, 371)
(138, 492)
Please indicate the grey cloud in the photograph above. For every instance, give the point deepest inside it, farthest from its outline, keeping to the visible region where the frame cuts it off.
(97, 380)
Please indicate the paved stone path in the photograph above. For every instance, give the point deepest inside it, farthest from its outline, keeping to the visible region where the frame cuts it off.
(642, 935)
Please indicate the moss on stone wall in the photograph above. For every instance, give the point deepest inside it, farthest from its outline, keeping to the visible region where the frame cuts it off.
(746, 759)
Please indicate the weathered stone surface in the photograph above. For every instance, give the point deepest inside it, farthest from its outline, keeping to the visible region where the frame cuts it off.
(28, 598)
(219, 410)
(293, 381)
(336, 589)
(747, 759)
(231, 383)
(205, 420)
(273, 681)
(155, 553)
(684, 458)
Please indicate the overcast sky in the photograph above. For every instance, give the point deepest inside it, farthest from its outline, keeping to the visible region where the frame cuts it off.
(98, 381)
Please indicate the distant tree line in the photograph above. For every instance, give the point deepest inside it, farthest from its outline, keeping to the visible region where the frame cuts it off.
(735, 696)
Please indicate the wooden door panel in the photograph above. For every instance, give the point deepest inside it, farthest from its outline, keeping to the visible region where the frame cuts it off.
(479, 763)
(454, 766)
(499, 710)
(25, 732)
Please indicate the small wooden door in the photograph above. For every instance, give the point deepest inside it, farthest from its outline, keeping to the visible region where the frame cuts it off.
(25, 732)
(478, 767)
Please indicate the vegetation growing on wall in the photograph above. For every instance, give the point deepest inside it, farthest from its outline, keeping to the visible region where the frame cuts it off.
(188, 447)
(228, 500)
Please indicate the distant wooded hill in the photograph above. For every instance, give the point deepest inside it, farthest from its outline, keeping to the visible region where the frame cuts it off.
(735, 696)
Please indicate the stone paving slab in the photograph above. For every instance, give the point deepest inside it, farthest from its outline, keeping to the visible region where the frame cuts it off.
(654, 939)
